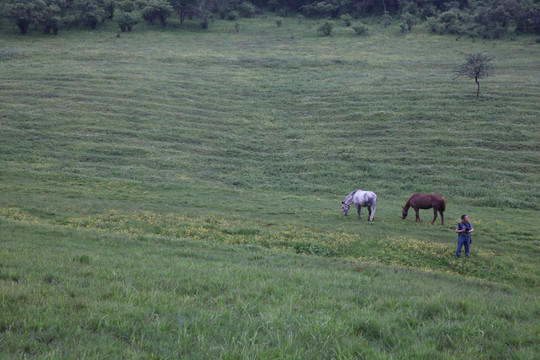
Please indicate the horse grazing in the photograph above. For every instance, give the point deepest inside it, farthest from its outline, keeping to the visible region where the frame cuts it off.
(360, 198)
(425, 201)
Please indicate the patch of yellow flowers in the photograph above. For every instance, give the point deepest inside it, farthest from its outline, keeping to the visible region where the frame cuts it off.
(205, 228)
(17, 215)
(397, 250)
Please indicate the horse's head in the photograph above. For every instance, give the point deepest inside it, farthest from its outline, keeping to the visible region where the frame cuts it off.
(404, 212)
(345, 208)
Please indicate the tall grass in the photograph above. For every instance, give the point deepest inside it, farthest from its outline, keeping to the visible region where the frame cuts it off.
(70, 293)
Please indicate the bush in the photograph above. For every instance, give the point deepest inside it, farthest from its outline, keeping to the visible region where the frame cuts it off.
(221, 9)
(386, 19)
(246, 9)
(403, 27)
(233, 15)
(360, 29)
(126, 20)
(319, 9)
(346, 18)
(205, 22)
(448, 17)
(91, 13)
(512, 30)
(126, 6)
(274, 5)
(455, 27)
(326, 28)
(283, 12)
(435, 26)
(157, 9)
(409, 20)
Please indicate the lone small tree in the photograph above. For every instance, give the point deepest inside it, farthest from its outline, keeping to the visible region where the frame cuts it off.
(477, 66)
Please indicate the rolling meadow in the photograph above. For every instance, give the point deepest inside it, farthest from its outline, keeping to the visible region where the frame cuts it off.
(175, 194)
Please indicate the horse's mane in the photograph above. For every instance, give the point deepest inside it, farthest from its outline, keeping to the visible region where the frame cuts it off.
(409, 199)
(350, 195)
(408, 203)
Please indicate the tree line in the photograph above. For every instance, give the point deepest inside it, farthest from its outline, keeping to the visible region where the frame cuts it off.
(475, 18)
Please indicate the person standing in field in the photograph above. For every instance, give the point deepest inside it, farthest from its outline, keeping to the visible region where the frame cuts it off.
(464, 230)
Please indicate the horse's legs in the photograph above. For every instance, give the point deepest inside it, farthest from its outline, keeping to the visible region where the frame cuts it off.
(369, 213)
(358, 207)
(417, 214)
(442, 216)
(434, 215)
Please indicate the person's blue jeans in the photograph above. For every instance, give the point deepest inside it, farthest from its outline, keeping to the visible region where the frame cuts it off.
(460, 243)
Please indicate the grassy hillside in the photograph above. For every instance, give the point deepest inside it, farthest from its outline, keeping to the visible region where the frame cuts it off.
(90, 294)
(165, 153)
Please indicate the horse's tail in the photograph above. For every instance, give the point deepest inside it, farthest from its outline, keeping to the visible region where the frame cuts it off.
(373, 206)
(443, 206)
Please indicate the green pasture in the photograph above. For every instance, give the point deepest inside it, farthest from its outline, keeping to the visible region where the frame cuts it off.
(69, 293)
(175, 193)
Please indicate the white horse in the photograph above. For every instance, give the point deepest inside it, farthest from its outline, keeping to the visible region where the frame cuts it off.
(360, 198)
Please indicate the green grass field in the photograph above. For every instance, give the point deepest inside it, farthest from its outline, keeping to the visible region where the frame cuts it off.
(176, 194)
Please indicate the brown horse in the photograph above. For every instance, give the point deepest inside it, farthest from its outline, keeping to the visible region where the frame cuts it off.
(425, 201)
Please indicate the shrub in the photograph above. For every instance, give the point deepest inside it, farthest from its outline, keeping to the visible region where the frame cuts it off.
(246, 9)
(92, 13)
(222, 10)
(386, 19)
(346, 18)
(319, 9)
(403, 27)
(283, 12)
(326, 28)
(233, 15)
(448, 17)
(435, 26)
(456, 27)
(157, 9)
(360, 29)
(274, 5)
(409, 20)
(126, 6)
(497, 32)
(126, 20)
(512, 30)
(205, 22)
